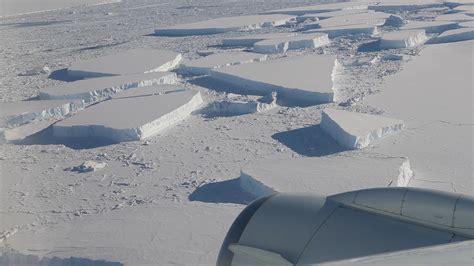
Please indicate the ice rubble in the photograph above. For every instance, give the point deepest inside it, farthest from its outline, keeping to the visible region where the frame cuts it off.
(430, 26)
(298, 11)
(355, 130)
(135, 61)
(93, 90)
(222, 25)
(334, 32)
(404, 5)
(13, 114)
(203, 65)
(458, 17)
(250, 40)
(301, 41)
(403, 39)
(232, 106)
(438, 115)
(369, 18)
(306, 78)
(324, 175)
(132, 115)
(457, 35)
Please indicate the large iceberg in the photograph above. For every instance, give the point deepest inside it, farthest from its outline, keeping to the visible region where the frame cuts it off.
(457, 35)
(334, 32)
(307, 78)
(250, 40)
(430, 26)
(298, 11)
(355, 130)
(93, 90)
(403, 39)
(135, 61)
(203, 65)
(222, 25)
(132, 115)
(405, 5)
(369, 18)
(324, 175)
(301, 41)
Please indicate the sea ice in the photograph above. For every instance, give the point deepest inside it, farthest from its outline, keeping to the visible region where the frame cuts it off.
(457, 35)
(241, 107)
(355, 130)
(334, 32)
(301, 41)
(203, 65)
(135, 61)
(430, 26)
(222, 25)
(132, 115)
(307, 78)
(339, 13)
(394, 6)
(250, 40)
(324, 175)
(369, 18)
(465, 9)
(403, 39)
(93, 90)
(457, 17)
(14, 114)
(298, 11)
(438, 138)
(469, 24)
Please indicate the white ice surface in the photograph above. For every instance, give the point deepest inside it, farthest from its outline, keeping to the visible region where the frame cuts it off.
(132, 115)
(457, 253)
(203, 65)
(298, 11)
(403, 39)
(430, 26)
(166, 234)
(307, 78)
(438, 116)
(249, 40)
(222, 25)
(301, 41)
(13, 114)
(339, 13)
(457, 35)
(135, 61)
(404, 5)
(458, 17)
(355, 130)
(93, 90)
(469, 24)
(324, 175)
(338, 31)
(369, 18)
(17, 7)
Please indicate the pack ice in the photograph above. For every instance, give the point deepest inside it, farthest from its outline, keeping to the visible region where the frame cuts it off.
(457, 35)
(394, 6)
(430, 26)
(134, 61)
(298, 11)
(301, 41)
(307, 79)
(458, 17)
(403, 39)
(438, 138)
(97, 89)
(369, 18)
(355, 130)
(337, 31)
(14, 114)
(203, 65)
(250, 40)
(132, 115)
(222, 25)
(324, 175)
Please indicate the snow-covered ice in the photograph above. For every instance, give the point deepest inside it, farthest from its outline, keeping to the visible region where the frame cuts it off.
(324, 175)
(355, 130)
(301, 41)
(405, 5)
(13, 114)
(222, 25)
(457, 35)
(249, 40)
(233, 106)
(457, 17)
(21, 7)
(403, 39)
(369, 18)
(430, 26)
(155, 108)
(307, 78)
(339, 13)
(97, 89)
(203, 65)
(438, 135)
(135, 61)
(334, 32)
(298, 11)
